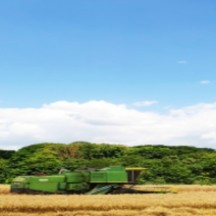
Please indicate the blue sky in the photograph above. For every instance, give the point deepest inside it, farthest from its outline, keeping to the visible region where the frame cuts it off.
(121, 51)
(116, 71)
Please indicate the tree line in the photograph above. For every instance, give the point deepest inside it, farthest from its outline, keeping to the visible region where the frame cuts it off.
(164, 164)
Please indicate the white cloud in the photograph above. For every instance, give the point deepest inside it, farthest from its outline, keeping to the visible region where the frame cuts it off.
(205, 82)
(182, 62)
(100, 121)
(145, 103)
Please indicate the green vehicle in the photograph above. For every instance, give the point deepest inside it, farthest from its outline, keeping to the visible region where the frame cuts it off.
(89, 181)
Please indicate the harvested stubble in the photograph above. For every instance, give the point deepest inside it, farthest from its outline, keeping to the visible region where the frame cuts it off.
(177, 188)
(197, 202)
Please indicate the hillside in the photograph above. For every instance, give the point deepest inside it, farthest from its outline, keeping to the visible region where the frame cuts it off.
(165, 164)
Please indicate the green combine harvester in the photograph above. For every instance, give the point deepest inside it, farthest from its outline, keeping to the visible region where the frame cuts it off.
(88, 181)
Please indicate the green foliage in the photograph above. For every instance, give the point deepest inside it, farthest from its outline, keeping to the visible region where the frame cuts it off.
(164, 164)
(6, 154)
(4, 174)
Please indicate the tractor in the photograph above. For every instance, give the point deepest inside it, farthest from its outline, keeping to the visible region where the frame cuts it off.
(80, 181)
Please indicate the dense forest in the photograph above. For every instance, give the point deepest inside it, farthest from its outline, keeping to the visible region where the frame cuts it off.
(165, 164)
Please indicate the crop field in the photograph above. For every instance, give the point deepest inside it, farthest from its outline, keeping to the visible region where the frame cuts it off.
(181, 201)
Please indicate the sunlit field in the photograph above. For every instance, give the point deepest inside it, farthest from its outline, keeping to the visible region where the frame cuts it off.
(181, 201)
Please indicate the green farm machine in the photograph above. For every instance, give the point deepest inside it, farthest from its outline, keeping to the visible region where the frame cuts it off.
(87, 181)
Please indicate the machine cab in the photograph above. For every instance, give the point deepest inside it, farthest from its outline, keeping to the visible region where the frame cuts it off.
(133, 173)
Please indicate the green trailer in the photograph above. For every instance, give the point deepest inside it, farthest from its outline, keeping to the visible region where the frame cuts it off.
(87, 181)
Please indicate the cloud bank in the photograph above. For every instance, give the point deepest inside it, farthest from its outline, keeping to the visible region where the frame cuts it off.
(145, 103)
(100, 121)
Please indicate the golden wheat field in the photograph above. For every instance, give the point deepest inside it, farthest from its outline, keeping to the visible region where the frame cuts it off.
(188, 201)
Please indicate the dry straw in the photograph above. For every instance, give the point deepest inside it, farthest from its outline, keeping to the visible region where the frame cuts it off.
(189, 201)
